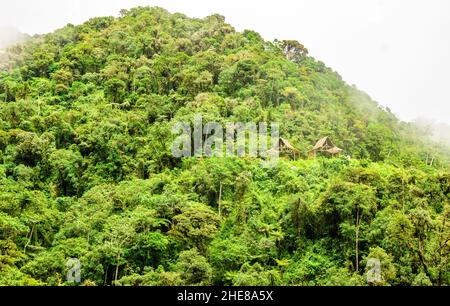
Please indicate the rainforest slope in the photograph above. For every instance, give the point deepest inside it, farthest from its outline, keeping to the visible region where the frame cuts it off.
(86, 169)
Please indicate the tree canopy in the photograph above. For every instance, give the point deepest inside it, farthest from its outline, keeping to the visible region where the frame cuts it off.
(86, 170)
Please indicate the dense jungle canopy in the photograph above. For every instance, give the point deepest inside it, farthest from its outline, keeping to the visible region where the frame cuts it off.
(86, 169)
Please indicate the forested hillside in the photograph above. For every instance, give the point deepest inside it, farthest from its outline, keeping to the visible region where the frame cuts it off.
(86, 169)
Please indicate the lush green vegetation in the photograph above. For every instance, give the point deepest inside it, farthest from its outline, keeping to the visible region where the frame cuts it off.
(86, 169)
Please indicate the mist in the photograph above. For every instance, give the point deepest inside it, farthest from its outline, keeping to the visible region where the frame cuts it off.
(10, 36)
(437, 131)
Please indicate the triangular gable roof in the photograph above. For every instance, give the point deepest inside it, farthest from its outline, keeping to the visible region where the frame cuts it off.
(324, 142)
(287, 144)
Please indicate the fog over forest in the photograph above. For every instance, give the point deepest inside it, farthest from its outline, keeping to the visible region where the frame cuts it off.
(437, 131)
(10, 36)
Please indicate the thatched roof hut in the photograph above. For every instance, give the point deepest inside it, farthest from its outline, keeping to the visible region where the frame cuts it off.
(325, 145)
(284, 147)
(283, 144)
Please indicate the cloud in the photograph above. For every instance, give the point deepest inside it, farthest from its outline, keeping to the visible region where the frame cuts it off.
(10, 36)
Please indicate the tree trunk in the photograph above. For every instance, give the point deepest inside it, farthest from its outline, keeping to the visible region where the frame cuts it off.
(357, 240)
(117, 268)
(220, 197)
(29, 239)
(106, 275)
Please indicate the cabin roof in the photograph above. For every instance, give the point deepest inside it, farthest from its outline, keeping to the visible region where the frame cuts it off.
(325, 144)
(287, 144)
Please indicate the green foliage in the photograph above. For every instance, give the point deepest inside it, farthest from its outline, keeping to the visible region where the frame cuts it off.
(86, 169)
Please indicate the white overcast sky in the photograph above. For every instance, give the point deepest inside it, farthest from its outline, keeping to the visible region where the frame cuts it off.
(398, 51)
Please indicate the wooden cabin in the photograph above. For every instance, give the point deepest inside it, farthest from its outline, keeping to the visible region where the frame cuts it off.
(325, 145)
(285, 148)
